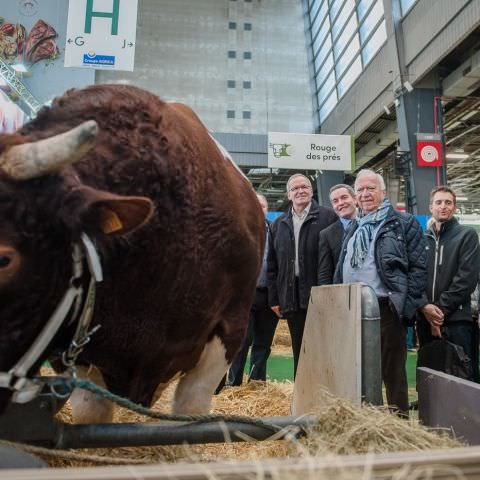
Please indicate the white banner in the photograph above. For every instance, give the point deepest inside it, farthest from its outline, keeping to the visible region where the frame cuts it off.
(311, 151)
(101, 34)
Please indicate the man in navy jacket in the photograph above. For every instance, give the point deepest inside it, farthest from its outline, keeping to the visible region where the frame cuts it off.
(386, 250)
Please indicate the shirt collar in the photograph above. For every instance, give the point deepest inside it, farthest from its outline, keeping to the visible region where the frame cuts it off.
(304, 214)
(346, 222)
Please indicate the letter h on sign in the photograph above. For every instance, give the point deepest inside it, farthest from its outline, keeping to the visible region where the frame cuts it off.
(90, 13)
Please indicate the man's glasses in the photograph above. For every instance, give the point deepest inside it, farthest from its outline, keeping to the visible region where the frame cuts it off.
(300, 187)
(365, 189)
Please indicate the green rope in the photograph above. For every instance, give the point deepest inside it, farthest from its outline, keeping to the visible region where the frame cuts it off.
(68, 384)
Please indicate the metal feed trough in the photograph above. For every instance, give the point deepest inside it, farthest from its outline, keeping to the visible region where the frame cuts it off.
(35, 423)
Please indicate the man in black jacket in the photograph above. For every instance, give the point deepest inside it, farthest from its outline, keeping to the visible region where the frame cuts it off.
(342, 198)
(453, 262)
(386, 250)
(293, 257)
(261, 326)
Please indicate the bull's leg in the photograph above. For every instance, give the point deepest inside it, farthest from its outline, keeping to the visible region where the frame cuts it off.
(195, 389)
(86, 406)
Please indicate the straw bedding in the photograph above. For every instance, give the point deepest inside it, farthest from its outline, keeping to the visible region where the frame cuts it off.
(343, 428)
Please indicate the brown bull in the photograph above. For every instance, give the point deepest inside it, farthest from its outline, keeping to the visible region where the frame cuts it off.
(177, 228)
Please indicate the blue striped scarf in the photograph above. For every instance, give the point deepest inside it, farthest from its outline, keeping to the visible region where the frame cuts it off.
(363, 236)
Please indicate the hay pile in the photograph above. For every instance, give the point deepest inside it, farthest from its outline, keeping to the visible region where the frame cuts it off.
(282, 342)
(342, 429)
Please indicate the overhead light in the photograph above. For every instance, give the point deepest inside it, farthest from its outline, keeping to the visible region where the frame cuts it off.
(457, 156)
(408, 86)
(3, 82)
(462, 199)
(387, 110)
(20, 67)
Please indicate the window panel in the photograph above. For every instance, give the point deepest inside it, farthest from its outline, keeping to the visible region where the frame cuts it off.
(328, 106)
(344, 38)
(350, 76)
(314, 8)
(375, 42)
(335, 6)
(324, 70)
(342, 63)
(319, 26)
(405, 5)
(371, 20)
(322, 45)
(326, 88)
(342, 17)
(362, 8)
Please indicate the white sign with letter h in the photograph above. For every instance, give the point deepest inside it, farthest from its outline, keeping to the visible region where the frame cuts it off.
(101, 34)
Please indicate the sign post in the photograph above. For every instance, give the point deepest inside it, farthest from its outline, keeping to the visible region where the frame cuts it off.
(101, 34)
(311, 151)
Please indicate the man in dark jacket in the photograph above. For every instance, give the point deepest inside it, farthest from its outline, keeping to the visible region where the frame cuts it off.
(261, 326)
(342, 198)
(386, 250)
(453, 261)
(293, 257)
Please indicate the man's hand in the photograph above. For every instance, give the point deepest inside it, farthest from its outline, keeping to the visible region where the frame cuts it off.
(435, 331)
(276, 310)
(433, 315)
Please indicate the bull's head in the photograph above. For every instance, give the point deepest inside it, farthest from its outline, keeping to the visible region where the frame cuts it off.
(42, 212)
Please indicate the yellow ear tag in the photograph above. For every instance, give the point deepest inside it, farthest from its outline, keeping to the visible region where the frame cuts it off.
(111, 222)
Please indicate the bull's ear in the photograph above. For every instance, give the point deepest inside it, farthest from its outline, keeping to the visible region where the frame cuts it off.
(115, 214)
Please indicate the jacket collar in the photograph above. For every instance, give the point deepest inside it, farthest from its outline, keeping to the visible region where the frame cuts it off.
(314, 209)
(444, 227)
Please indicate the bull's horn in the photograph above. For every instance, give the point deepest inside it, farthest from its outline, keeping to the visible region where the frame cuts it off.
(31, 160)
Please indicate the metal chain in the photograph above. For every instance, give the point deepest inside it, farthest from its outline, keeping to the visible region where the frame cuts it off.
(70, 383)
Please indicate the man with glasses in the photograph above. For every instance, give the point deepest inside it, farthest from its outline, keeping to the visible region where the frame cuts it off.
(293, 257)
(386, 250)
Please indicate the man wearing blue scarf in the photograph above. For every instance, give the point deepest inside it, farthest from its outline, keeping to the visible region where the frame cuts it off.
(386, 250)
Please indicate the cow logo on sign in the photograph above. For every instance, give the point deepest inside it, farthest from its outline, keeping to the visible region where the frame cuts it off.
(429, 153)
(281, 150)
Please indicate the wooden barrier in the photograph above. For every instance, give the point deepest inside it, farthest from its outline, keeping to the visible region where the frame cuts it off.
(458, 463)
(449, 402)
(331, 348)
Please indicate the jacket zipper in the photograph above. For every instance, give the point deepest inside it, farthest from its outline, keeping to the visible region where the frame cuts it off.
(435, 264)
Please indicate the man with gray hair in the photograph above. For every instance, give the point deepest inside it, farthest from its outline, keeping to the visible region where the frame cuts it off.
(386, 250)
(293, 257)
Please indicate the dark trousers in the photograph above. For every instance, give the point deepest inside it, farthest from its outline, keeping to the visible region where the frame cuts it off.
(296, 325)
(261, 329)
(394, 357)
(463, 333)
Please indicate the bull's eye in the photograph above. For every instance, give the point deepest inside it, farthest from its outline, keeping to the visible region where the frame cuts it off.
(4, 261)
